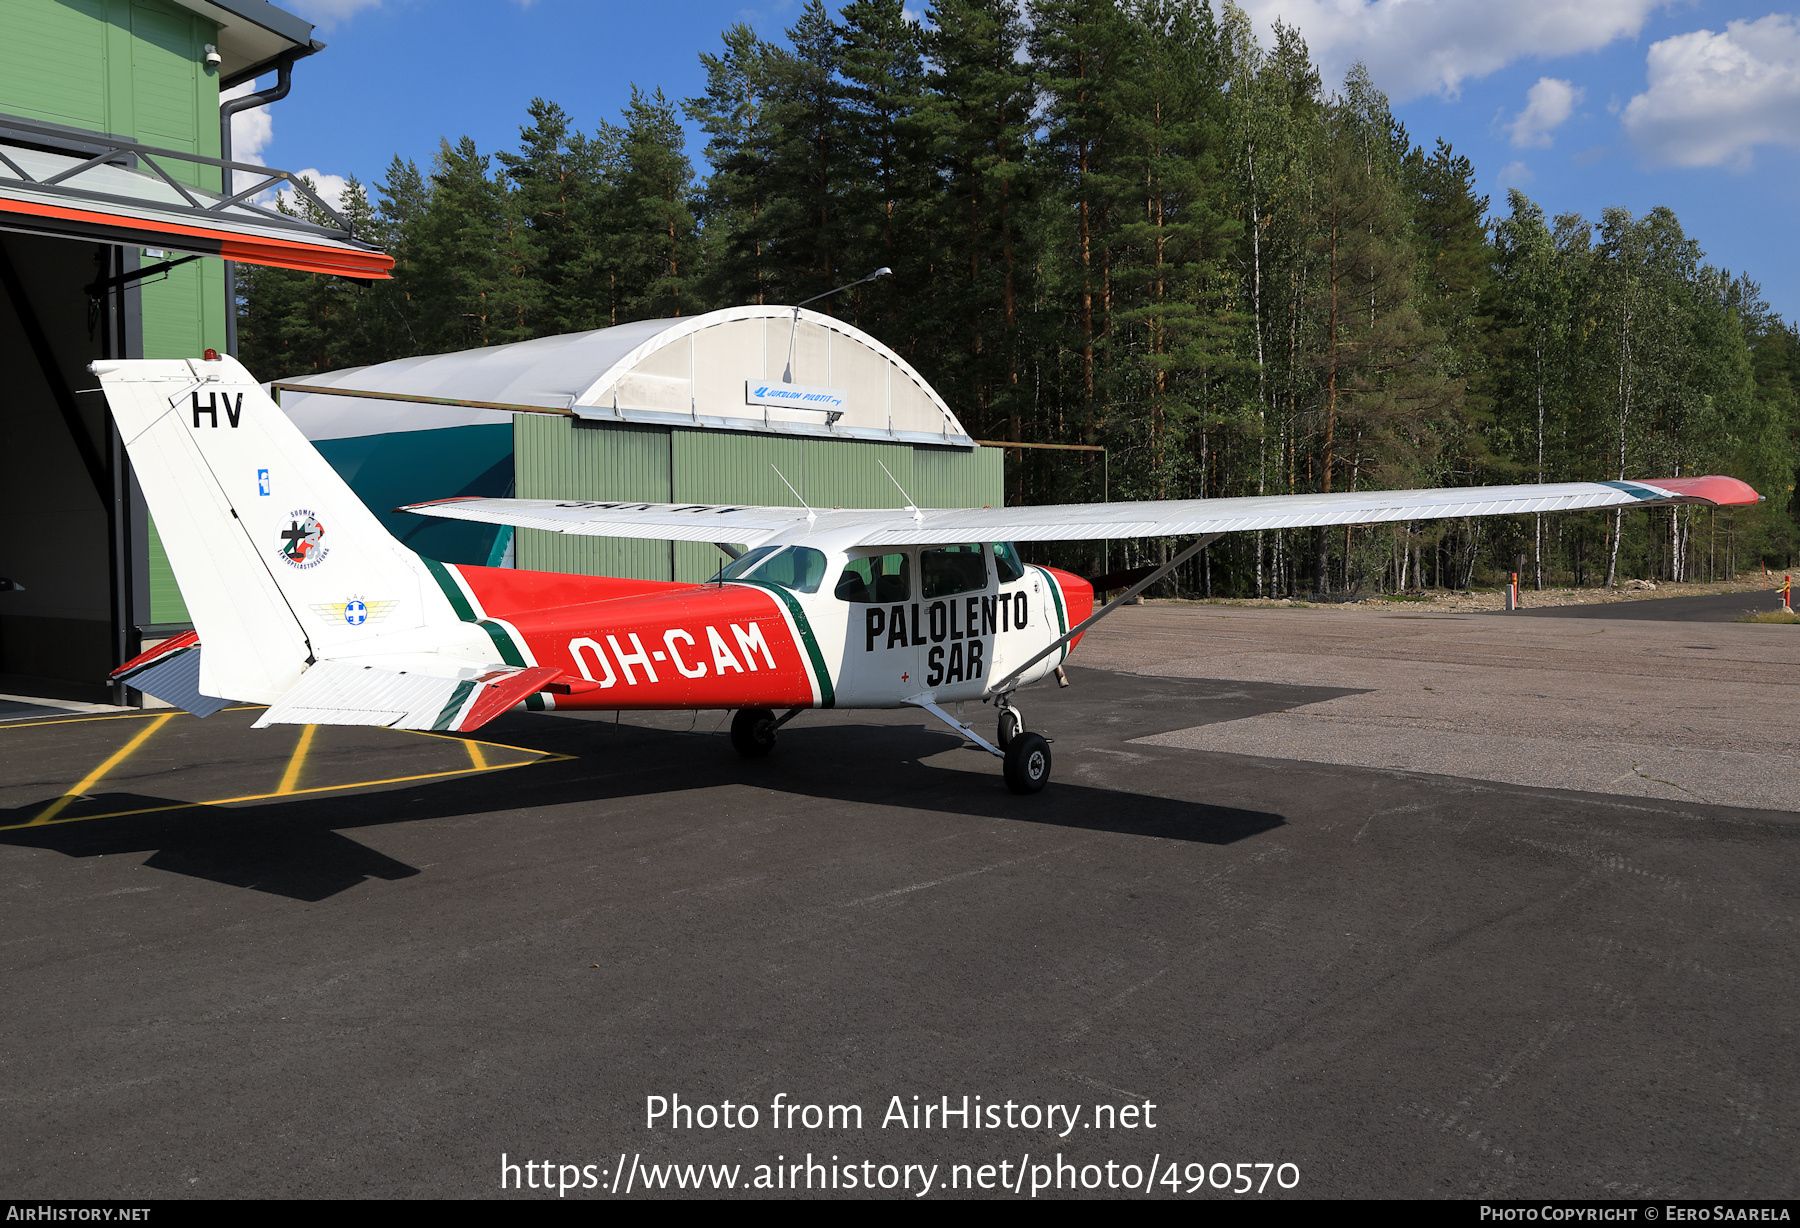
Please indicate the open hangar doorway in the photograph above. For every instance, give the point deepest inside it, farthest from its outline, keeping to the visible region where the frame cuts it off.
(73, 554)
(87, 220)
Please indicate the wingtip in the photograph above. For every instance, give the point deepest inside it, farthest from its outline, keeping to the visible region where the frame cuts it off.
(1716, 489)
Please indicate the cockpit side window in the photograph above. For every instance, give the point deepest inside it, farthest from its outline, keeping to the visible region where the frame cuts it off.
(879, 578)
(1008, 563)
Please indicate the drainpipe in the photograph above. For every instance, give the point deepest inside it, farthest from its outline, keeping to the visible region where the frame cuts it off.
(284, 69)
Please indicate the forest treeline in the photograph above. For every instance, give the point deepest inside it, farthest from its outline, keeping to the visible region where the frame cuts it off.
(1127, 224)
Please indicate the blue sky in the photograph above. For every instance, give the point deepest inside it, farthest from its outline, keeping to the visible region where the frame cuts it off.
(1582, 104)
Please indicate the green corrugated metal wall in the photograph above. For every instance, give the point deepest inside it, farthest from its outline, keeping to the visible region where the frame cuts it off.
(132, 68)
(557, 459)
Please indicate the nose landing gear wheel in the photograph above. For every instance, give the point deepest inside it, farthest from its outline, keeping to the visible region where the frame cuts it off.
(1011, 726)
(1027, 763)
(753, 732)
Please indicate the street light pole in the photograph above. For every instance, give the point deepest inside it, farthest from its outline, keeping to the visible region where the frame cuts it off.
(787, 376)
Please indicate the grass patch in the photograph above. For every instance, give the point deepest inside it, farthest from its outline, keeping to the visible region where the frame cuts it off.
(1768, 616)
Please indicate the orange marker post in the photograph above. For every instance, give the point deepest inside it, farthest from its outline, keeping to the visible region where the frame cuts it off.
(1787, 588)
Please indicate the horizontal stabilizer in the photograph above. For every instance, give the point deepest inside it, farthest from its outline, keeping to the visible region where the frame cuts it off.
(349, 692)
(171, 672)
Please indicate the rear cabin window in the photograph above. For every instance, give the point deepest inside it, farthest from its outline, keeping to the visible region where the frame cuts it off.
(947, 570)
(880, 578)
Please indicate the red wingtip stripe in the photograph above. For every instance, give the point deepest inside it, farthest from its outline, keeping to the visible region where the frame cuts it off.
(1714, 489)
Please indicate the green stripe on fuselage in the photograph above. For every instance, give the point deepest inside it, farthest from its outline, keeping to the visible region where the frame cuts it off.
(509, 651)
(1062, 615)
(826, 695)
(451, 588)
(503, 639)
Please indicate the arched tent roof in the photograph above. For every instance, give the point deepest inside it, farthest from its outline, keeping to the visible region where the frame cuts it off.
(722, 370)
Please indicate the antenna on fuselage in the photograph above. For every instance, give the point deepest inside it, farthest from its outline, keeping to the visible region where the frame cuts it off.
(811, 516)
(917, 515)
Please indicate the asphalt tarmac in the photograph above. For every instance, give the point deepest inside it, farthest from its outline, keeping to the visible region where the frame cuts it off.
(1401, 983)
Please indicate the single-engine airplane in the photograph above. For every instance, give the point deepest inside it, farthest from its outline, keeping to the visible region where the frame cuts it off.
(301, 600)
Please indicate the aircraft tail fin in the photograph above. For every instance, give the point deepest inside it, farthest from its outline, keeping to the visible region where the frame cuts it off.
(280, 563)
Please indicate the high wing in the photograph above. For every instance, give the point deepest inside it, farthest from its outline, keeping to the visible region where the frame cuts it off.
(676, 522)
(756, 526)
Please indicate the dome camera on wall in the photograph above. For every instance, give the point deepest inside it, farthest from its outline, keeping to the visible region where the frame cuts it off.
(213, 58)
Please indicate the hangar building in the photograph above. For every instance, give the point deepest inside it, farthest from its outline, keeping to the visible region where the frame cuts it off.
(117, 235)
(687, 410)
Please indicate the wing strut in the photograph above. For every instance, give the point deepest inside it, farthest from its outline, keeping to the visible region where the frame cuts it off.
(1007, 683)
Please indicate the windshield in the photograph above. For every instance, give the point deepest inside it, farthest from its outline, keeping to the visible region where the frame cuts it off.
(795, 567)
(1006, 562)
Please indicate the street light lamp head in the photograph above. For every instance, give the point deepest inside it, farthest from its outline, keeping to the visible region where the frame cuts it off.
(787, 376)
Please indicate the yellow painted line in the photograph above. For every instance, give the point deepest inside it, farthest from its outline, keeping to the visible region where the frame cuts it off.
(33, 722)
(92, 778)
(475, 755)
(291, 777)
(546, 757)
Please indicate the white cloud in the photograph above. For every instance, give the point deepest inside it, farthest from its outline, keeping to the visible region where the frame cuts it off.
(1513, 175)
(1547, 105)
(326, 14)
(1713, 98)
(251, 132)
(1415, 47)
(330, 188)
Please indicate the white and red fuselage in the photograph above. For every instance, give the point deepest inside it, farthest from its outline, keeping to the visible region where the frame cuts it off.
(639, 644)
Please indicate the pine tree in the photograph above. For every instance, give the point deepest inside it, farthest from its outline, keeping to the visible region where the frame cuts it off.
(888, 186)
(1533, 308)
(734, 203)
(558, 184)
(808, 149)
(980, 119)
(476, 259)
(1382, 386)
(1169, 331)
(1081, 49)
(651, 218)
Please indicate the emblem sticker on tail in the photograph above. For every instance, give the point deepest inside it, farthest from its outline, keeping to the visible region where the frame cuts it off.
(303, 541)
(355, 611)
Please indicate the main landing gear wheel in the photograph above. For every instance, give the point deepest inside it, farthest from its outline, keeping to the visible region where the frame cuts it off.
(753, 732)
(1027, 763)
(1011, 726)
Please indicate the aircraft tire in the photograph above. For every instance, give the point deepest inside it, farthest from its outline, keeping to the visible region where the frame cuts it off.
(753, 732)
(1011, 726)
(1028, 763)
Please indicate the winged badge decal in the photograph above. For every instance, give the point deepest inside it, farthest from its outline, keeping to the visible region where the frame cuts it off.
(355, 611)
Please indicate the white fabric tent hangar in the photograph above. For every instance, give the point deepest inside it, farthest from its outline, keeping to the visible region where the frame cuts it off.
(687, 410)
(754, 368)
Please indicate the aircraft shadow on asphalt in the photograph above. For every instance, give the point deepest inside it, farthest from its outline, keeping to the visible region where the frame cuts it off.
(296, 848)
